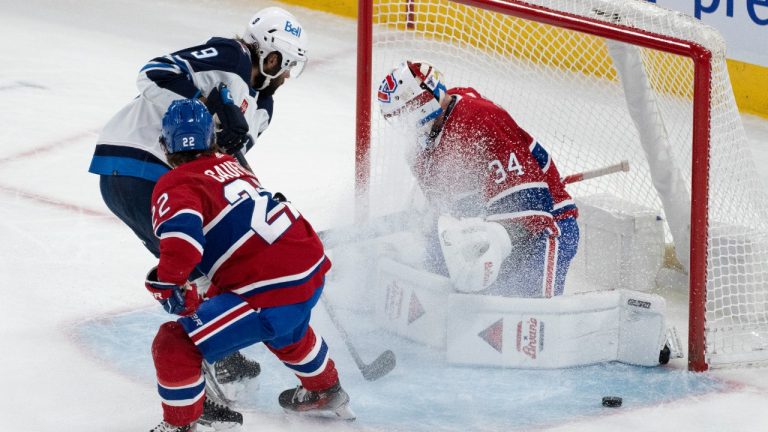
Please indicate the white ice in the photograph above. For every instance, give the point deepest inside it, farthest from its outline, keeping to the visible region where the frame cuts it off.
(66, 67)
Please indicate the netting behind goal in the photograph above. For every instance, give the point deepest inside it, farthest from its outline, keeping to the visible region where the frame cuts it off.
(654, 99)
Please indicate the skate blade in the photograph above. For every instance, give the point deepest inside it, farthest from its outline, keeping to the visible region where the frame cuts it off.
(218, 426)
(343, 412)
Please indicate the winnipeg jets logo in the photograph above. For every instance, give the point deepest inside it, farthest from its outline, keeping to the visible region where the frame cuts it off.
(387, 87)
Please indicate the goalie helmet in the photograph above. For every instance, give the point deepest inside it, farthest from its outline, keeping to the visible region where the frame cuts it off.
(187, 126)
(412, 94)
(275, 29)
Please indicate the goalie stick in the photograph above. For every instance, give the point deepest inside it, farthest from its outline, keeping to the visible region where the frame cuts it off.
(599, 172)
(382, 365)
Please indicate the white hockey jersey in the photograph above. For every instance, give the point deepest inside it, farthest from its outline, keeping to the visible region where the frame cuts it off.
(129, 145)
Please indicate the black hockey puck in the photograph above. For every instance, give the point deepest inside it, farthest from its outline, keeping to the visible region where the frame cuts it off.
(612, 401)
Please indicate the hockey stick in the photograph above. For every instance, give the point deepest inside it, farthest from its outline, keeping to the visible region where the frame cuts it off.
(212, 387)
(383, 364)
(240, 156)
(599, 172)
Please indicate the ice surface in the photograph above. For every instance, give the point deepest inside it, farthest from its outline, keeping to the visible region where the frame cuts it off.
(423, 393)
(76, 322)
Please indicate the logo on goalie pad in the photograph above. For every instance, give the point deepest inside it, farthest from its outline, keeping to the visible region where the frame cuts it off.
(639, 303)
(530, 340)
(394, 301)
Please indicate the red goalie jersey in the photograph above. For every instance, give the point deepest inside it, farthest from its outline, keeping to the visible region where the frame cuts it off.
(481, 157)
(213, 214)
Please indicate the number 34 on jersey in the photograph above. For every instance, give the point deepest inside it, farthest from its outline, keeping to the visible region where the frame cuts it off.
(499, 170)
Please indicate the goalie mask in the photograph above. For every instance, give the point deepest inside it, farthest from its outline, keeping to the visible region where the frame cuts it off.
(275, 29)
(187, 126)
(411, 95)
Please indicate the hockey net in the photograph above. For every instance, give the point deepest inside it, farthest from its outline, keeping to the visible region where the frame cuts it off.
(660, 97)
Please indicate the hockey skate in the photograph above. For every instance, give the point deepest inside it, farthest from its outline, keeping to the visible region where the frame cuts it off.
(235, 367)
(218, 417)
(226, 378)
(167, 427)
(333, 402)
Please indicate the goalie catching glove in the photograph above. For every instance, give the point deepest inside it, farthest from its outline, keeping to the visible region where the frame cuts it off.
(473, 250)
(175, 299)
(233, 136)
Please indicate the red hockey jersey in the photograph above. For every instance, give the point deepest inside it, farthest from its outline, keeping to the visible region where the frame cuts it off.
(214, 214)
(482, 157)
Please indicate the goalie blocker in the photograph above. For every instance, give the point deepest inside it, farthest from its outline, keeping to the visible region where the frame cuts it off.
(574, 330)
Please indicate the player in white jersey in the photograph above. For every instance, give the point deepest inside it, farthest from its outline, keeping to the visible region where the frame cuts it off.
(236, 79)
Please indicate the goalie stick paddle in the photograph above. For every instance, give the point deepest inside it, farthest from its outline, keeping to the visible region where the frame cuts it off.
(382, 365)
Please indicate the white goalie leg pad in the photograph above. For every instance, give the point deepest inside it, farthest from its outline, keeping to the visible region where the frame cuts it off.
(603, 326)
(642, 328)
(412, 303)
(473, 250)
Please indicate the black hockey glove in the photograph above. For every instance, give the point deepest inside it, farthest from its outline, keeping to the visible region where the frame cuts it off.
(233, 135)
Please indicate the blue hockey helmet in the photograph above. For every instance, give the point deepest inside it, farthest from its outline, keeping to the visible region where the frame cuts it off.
(187, 126)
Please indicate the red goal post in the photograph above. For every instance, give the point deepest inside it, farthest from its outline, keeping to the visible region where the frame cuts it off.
(609, 21)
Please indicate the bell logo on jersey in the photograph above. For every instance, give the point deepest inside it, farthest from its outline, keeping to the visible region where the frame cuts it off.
(388, 86)
(296, 31)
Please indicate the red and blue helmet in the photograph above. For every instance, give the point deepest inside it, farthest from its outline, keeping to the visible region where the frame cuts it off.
(412, 92)
(187, 126)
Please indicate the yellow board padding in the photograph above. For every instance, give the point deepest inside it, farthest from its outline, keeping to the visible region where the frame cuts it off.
(345, 8)
(750, 86)
(749, 82)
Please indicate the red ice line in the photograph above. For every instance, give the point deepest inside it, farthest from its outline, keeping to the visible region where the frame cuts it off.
(54, 202)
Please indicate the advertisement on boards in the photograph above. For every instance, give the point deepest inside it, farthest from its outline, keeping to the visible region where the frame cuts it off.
(743, 24)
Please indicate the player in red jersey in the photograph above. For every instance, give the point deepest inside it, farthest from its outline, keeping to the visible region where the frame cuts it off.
(508, 225)
(262, 256)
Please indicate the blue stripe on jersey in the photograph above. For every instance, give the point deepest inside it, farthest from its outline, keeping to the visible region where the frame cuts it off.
(185, 223)
(533, 199)
(222, 236)
(541, 155)
(177, 394)
(293, 282)
(314, 364)
(126, 166)
(160, 65)
(182, 64)
(564, 209)
(127, 152)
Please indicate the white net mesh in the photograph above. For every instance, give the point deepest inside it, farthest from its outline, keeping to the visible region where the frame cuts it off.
(563, 88)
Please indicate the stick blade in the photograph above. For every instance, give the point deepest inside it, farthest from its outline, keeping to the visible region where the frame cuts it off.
(383, 365)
